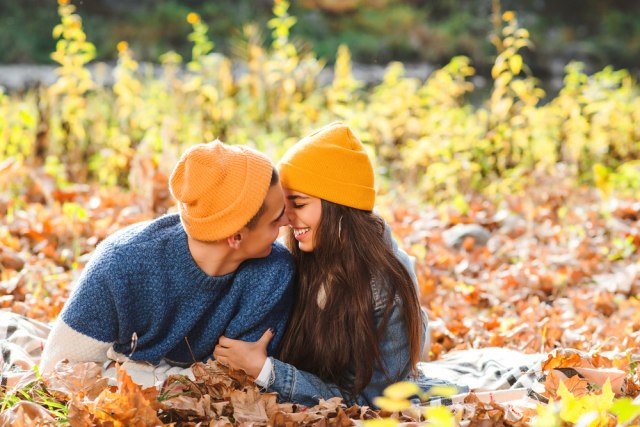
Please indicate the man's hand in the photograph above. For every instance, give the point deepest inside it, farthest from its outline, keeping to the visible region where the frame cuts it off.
(248, 356)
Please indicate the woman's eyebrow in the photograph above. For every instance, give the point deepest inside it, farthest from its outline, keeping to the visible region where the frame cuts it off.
(296, 196)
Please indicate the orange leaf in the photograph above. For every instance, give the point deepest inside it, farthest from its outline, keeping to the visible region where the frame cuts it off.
(577, 386)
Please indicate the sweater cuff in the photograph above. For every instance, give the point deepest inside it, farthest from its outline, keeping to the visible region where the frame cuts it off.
(64, 342)
(265, 376)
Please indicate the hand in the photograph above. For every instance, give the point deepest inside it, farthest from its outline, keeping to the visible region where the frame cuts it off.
(248, 356)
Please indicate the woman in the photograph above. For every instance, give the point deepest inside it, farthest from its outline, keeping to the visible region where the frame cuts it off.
(356, 325)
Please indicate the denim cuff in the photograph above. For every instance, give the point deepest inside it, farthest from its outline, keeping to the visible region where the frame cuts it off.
(284, 379)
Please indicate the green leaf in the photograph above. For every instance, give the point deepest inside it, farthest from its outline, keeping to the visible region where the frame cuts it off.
(462, 207)
(625, 410)
(26, 118)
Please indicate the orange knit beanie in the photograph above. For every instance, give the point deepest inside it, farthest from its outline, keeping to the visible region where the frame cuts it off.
(219, 188)
(330, 164)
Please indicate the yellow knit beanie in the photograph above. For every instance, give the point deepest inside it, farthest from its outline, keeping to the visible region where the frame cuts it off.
(330, 164)
(219, 188)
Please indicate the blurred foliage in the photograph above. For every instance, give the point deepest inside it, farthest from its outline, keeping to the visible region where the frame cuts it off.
(594, 32)
(427, 138)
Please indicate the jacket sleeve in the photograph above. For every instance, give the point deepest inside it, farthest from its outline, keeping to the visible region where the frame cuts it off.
(294, 385)
(409, 264)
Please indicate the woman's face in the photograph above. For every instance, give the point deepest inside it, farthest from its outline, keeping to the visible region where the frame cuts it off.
(304, 213)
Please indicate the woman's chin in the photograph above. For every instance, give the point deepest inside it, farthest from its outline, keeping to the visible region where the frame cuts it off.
(305, 246)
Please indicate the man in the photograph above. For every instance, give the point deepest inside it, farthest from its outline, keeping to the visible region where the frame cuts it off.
(164, 291)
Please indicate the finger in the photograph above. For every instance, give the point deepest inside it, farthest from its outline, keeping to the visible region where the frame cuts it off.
(266, 337)
(225, 342)
(220, 351)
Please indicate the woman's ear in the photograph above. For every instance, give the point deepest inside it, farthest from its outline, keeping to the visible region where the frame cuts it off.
(234, 240)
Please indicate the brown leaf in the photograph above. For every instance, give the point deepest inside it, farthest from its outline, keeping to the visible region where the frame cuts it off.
(128, 405)
(25, 413)
(76, 379)
(10, 259)
(577, 386)
(551, 384)
(184, 407)
(562, 360)
(249, 406)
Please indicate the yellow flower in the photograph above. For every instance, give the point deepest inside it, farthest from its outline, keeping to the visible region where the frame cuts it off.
(63, 2)
(122, 46)
(508, 16)
(193, 18)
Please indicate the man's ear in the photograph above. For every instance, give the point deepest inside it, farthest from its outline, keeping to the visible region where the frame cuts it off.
(234, 240)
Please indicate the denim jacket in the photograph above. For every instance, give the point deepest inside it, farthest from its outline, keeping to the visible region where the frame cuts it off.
(297, 386)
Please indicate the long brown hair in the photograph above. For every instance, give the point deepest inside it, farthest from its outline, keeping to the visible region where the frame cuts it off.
(350, 251)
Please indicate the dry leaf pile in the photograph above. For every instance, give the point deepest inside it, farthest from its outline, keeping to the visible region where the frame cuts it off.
(216, 396)
(557, 267)
(561, 269)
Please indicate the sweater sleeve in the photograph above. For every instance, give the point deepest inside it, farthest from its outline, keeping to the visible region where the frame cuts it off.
(267, 301)
(88, 323)
(66, 343)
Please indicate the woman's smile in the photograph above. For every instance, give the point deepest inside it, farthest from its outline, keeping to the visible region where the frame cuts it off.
(300, 233)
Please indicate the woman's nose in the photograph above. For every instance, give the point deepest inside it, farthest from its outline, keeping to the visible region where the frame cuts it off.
(290, 214)
(284, 220)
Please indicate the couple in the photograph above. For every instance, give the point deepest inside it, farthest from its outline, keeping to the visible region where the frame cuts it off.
(335, 314)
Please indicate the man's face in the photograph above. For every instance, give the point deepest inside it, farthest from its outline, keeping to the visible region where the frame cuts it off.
(256, 242)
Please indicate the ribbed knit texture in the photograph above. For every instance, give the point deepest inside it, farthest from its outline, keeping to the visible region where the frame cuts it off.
(143, 280)
(219, 188)
(330, 164)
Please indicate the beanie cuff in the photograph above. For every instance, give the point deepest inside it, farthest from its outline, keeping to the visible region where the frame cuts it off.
(347, 194)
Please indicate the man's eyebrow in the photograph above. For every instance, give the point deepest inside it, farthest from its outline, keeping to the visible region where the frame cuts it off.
(279, 216)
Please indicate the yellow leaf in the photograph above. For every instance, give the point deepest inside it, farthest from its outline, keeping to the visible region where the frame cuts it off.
(519, 87)
(439, 416)
(402, 390)
(547, 416)
(604, 400)
(498, 67)
(391, 405)
(515, 64)
(381, 422)
(573, 409)
(57, 31)
(442, 390)
(419, 251)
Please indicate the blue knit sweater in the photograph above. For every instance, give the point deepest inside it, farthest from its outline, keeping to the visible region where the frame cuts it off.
(143, 280)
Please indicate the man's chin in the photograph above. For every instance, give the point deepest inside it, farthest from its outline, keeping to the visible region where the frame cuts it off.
(266, 253)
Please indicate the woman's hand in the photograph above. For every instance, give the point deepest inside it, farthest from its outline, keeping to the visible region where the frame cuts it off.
(248, 356)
